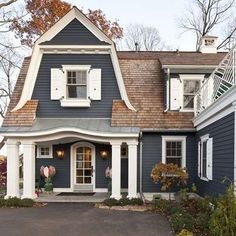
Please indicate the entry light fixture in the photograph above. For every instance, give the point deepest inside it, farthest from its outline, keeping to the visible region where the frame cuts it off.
(60, 152)
(104, 154)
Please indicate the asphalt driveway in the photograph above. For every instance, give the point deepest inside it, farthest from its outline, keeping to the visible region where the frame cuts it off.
(80, 219)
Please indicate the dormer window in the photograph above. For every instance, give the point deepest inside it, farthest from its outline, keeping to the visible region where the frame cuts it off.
(77, 84)
(190, 87)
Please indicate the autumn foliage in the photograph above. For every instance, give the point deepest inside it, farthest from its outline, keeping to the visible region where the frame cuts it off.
(3, 172)
(169, 175)
(42, 14)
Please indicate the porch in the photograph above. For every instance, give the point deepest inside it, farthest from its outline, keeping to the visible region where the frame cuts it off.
(82, 154)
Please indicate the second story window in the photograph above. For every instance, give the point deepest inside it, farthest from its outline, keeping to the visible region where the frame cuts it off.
(77, 84)
(190, 87)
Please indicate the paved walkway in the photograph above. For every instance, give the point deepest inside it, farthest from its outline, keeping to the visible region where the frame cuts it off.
(70, 219)
(54, 197)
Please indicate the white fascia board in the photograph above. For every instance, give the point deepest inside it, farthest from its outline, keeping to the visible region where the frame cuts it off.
(225, 101)
(74, 13)
(189, 66)
(74, 130)
(192, 76)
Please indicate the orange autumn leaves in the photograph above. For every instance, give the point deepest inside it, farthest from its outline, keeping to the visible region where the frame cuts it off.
(42, 14)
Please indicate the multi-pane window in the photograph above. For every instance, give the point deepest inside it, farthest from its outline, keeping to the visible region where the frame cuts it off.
(77, 84)
(174, 152)
(44, 152)
(189, 91)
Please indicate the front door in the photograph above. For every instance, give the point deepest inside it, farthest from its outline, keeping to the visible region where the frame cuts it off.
(84, 169)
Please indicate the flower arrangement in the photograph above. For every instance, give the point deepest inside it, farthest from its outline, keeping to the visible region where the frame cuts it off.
(48, 172)
(108, 174)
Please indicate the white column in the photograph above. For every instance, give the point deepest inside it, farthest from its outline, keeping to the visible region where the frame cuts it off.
(12, 168)
(132, 176)
(116, 170)
(29, 170)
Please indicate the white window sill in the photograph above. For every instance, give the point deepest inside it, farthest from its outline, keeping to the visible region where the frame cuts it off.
(75, 103)
(44, 157)
(204, 179)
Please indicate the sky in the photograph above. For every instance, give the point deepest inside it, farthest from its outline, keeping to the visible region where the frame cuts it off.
(162, 14)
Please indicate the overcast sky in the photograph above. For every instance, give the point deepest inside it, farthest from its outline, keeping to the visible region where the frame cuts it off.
(163, 14)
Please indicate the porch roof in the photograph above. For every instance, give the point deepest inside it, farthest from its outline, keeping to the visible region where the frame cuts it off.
(93, 125)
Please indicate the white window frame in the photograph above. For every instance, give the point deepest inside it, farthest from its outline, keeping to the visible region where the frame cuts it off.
(50, 156)
(187, 77)
(174, 139)
(203, 139)
(76, 102)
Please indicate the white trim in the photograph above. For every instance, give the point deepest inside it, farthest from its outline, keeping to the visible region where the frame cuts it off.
(74, 130)
(72, 163)
(50, 156)
(74, 13)
(75, 67)
(234, 148)
(204, 137)
(174, 138)
(216, 117)
(37, 56)
(221, 104)
(189, 66)
(68, 102)
(183, 77)
(63, 190)
(100, 190)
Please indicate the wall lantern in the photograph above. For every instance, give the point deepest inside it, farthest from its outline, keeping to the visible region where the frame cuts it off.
(104, 154)
(60, 152)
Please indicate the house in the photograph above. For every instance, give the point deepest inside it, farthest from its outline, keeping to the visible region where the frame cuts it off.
(81, 106)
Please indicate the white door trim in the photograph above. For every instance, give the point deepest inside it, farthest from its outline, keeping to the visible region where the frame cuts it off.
(72, 162)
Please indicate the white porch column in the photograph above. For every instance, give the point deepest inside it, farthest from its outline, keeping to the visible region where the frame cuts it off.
(28, 170)
(132, 165)
(12, 168)
(116, 170)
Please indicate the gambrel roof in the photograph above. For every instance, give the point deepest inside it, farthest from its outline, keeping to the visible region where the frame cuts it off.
(144, 81)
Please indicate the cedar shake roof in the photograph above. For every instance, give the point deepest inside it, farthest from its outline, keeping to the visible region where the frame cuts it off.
(176, 58)
(26, 115)
(144, 82)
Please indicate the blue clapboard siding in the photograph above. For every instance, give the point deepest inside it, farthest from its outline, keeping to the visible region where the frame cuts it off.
(152, 154)
(62, 177)
(98, 109)
(75, 33)
(222, 132)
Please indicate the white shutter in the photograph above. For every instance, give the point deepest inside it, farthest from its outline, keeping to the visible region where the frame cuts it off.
(95, 77)
(176, 94)
(199, 159)
(209, 158)
(58, 85)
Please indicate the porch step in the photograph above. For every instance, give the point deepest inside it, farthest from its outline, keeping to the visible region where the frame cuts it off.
(83, 188)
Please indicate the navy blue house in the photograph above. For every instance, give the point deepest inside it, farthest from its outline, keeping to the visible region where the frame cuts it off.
(82, 106)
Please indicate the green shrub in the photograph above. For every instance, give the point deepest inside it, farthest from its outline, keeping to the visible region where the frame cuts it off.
(124, 202)
(183, 194)
(111, 202)
(223, 218)
(181, 221)
(176, 209)
(185, 232)
(202, 222)
(136, 201)
(16, 202)
(26, 202)
(163, 206)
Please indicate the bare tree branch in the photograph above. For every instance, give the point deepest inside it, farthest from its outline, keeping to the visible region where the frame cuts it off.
(205, 15)
(5, 4)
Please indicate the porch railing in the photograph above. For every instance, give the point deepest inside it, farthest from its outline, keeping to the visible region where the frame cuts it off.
(219, 82)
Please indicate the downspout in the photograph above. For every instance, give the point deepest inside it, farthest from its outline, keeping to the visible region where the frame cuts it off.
(167, 90)
(141, 165)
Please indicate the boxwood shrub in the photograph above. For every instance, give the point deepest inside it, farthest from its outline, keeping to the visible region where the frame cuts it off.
(123, 202)
(16, 202)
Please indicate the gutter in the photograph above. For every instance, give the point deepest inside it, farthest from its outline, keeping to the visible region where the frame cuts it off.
(141, 166)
